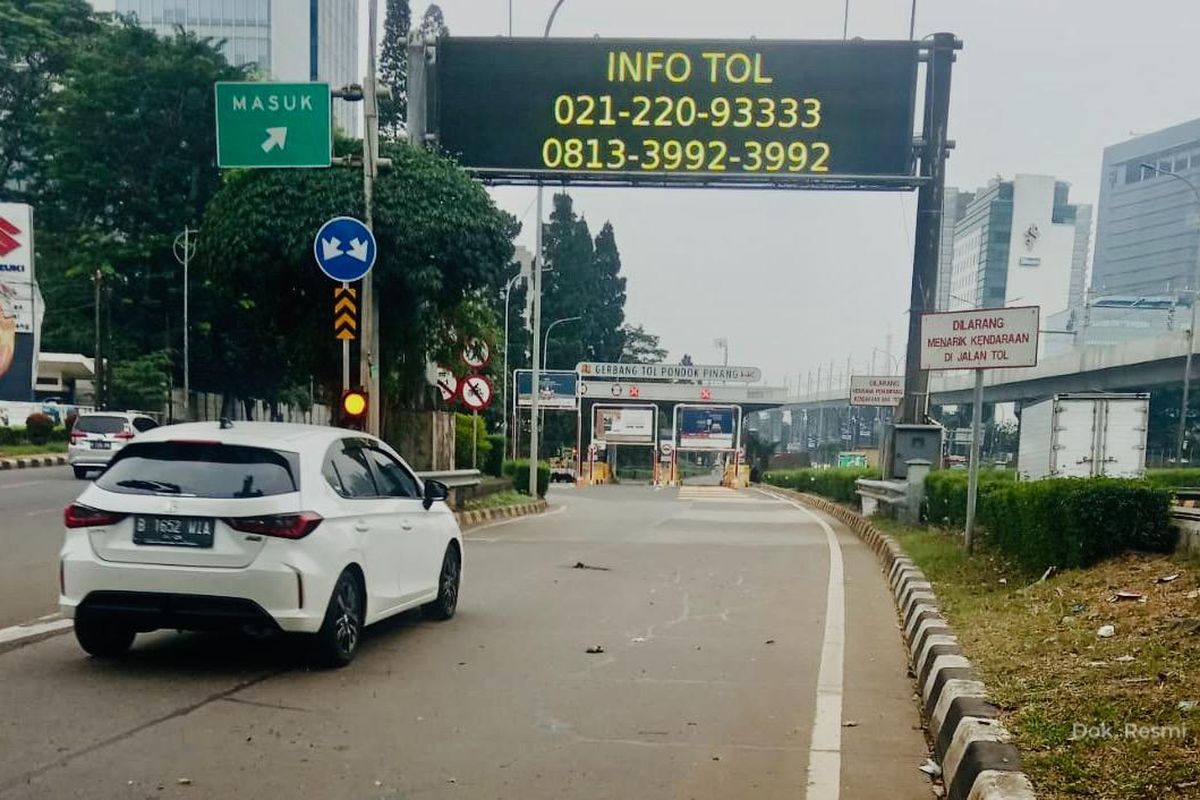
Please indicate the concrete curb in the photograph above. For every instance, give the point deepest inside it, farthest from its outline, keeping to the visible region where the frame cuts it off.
(469, 519)
(978, 759)
(27, 462)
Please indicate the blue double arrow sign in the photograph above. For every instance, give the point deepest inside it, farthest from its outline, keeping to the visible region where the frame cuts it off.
(344, 249)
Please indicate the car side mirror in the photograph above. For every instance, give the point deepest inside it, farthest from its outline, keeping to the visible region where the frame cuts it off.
(435, 491)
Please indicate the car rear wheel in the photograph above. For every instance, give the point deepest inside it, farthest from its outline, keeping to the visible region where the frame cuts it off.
(448, 582)
(337, 641)
(103, 638)
(80, 472)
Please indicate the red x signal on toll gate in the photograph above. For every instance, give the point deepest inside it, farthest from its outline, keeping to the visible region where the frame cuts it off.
(634, 391)
(706, 394)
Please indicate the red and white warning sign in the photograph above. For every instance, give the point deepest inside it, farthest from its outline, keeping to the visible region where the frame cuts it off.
(447, 385)
(876, 390)
(985, 338)
(477, 392)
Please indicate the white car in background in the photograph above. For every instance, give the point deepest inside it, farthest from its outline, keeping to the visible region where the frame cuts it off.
(98, 435)
(256, 526)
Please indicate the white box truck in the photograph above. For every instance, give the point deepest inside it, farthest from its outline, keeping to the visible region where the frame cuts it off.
(1083, 436)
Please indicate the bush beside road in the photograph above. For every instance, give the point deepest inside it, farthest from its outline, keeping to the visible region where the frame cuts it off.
(1093, 716)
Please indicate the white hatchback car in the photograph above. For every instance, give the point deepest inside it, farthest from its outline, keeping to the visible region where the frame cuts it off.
(256, 526)
(98, 435)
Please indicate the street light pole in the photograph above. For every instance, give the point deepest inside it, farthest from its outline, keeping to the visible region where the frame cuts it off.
(504, 399)
(535, 286)
(188, 247)
(1195, 289)
(723, 343)
(550, 327)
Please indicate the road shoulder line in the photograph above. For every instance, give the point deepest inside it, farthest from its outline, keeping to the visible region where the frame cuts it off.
(825, 751)
(977, 757)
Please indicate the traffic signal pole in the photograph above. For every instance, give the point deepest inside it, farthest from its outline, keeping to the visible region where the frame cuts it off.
(369, 362)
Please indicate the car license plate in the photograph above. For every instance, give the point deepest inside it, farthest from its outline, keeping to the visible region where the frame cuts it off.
(101, 445)
(173, 531)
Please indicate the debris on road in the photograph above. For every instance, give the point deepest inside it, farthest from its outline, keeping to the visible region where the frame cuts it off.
(595, 649)
(1123, 659)
(638, 639)
(185, 781)
(850, 724)
(581, 565)
(769, 641)
(1167, 578)
(931, 768)
(1079, 608)
(1122, 596)
(1193, 594)
(1049, 571)
(1107, 631)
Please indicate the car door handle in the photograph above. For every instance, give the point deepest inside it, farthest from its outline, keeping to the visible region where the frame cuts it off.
(362, 527)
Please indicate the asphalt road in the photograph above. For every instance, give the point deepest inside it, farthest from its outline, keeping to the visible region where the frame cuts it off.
(31, 506)
(718, 621)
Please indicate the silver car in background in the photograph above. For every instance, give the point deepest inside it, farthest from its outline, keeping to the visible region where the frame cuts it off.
(98, 434)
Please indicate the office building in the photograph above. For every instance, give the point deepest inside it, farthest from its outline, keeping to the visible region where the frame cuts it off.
(955, 203)
(286, 40)
(1019, 242)
(1148, 220)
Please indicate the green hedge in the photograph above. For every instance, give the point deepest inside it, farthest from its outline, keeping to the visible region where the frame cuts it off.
(1073, 522)
(38, 427)
(494, 463)
(836, 484)
(946, 493)
(1182, 477)
(17, 434)
(519, 470)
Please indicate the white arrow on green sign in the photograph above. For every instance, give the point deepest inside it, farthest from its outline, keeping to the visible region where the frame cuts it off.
(273, 124)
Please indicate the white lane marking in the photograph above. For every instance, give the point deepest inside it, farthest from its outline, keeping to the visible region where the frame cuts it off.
(43, 511)
(18, 632)
(825, 751)
(21, 484)
(511, 520)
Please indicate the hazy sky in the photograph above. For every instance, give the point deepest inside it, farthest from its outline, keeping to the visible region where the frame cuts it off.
(795, 279)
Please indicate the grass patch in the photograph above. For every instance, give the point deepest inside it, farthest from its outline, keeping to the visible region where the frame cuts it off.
(15, 450)
(497, 500)
(1035, 646)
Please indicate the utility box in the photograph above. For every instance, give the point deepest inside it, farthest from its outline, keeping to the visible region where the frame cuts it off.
(1084, 436)
(906, 442)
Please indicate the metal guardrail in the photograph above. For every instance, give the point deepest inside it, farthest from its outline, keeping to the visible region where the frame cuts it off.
(454, 478)
(892, 493)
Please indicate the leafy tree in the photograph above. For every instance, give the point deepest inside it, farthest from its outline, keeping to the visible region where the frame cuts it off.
(443, 246)
(133, 146)
(37, 38)
(641, 347)
(583, 281)
(433, 23)
(141, 382)
(393, 69)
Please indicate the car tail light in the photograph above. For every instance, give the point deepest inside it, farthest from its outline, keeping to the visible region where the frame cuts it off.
(283, 526)
(77, 435)
(78, 515)
(123, 436)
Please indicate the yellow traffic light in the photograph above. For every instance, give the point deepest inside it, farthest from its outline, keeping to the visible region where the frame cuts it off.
(354, 408)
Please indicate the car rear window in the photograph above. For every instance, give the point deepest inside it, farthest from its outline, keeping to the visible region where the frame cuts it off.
(201, 469)
(97, 424)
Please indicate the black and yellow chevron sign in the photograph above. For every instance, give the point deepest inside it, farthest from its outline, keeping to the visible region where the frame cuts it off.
(345, 313)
